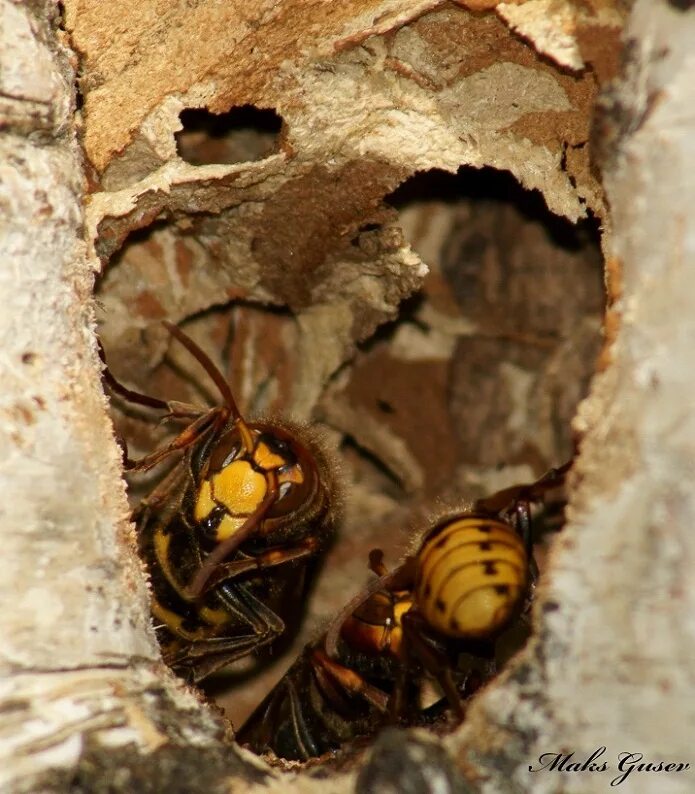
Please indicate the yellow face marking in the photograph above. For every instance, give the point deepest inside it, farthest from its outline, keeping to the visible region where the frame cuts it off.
(266, 458)
(238, 488)
(204, 503)
(228, 526)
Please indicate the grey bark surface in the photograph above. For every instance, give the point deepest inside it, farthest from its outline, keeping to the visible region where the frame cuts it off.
(81, 690)
(611, 662)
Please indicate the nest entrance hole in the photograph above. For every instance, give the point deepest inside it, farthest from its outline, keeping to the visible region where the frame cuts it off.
(242, 134)
(471, 387)
(477, 379)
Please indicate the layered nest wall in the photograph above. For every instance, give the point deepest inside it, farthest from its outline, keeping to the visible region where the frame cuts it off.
(471, 387)
(384, 222)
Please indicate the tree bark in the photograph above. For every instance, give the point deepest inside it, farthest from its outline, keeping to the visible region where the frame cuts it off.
(608, 667)
(86, 704)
